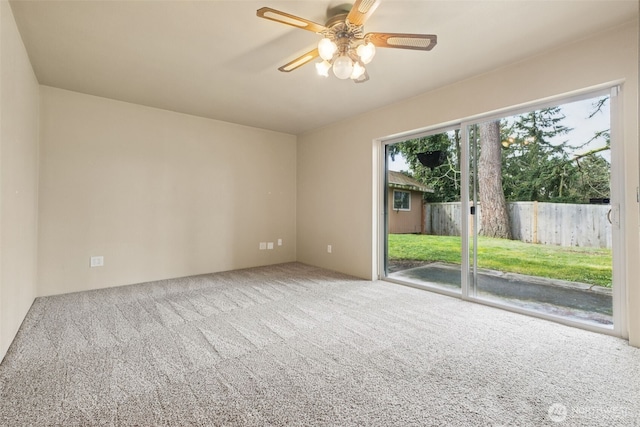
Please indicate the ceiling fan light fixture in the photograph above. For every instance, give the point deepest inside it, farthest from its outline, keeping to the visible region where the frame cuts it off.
(327, 48)
(366, 52)
(345, 46)
(343, 67)
(323, 68)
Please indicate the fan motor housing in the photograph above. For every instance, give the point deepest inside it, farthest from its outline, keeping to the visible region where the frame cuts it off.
(336, 20)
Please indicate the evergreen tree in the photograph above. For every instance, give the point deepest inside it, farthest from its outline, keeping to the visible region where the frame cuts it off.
(593, 178)
(538, 168)
(534, 167)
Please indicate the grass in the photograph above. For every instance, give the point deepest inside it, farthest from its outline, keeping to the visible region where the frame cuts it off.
(575, 264)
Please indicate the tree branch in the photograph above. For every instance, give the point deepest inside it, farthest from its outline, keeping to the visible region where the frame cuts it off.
(589, 153)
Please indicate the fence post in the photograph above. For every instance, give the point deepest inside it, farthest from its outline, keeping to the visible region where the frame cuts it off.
(535, 222)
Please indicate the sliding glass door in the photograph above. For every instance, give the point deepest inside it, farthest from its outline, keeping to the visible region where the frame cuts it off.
(517, 211)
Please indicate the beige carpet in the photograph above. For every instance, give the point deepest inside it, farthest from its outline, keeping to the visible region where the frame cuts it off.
(293, 345)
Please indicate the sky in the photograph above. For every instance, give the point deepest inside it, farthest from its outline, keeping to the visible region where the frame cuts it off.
(577, 114)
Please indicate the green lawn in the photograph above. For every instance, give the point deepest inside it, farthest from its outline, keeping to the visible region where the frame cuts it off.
(576, 264)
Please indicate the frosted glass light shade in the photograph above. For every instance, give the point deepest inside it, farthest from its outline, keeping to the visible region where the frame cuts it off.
(326, 49)
(358, 71)
(366, 52)
(343, 67)
(323, 68)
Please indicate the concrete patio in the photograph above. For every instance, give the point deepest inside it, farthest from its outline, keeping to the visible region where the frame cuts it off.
(576, 301)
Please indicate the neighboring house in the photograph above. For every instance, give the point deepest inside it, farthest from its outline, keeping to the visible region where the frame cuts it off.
(406, 205)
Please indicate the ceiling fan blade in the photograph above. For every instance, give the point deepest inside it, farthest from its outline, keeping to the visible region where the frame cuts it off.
(361, 11)
(403, 41)
(285, 18)
(300, 61)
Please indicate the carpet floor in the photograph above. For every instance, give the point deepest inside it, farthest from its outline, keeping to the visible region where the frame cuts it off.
(294, 345)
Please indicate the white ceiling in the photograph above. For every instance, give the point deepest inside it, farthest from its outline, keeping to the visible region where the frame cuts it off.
(217, 59)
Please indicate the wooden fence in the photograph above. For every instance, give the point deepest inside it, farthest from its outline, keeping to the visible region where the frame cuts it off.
(558, 224)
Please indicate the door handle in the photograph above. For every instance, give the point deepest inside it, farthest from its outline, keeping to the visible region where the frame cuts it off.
(614, 215)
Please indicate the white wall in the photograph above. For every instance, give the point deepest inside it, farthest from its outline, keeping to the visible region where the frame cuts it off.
(18, 179)
(157, 193)
(330, 212)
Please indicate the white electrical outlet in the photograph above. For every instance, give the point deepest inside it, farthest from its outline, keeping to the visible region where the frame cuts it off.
(328, 249)
(270, 245)
(97, 261)
(279, 242)
(263, 246)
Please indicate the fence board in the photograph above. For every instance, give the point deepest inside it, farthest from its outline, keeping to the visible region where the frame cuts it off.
(443, 219)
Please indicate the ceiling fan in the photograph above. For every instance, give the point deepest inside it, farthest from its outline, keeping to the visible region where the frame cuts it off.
(345, 47)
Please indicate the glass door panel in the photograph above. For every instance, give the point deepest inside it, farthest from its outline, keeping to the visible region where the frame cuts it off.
(423, 211)
(540, 230)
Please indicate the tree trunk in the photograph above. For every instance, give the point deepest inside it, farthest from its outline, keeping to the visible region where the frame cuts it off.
(495, 217)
